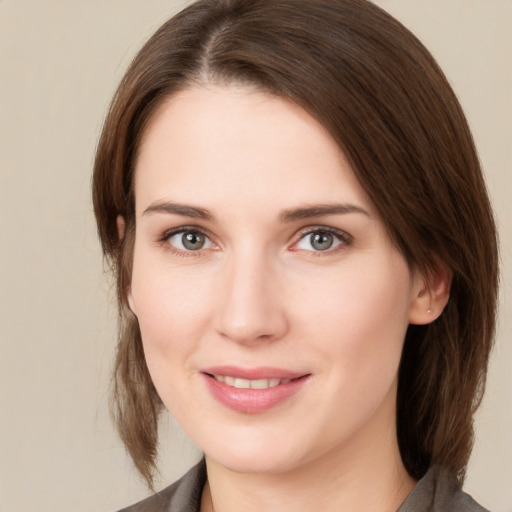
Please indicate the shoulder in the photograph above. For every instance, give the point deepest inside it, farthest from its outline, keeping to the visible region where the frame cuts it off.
(182, 496)
(439, 491)
(450, 495)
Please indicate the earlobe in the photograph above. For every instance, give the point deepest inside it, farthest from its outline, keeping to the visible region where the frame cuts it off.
(121, 226)
(131, 303)
(431, 296)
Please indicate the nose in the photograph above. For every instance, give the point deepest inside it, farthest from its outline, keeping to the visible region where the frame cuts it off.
(250, 304)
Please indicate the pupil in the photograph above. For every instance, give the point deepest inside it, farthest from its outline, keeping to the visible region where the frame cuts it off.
(321, 241)
(193, 241)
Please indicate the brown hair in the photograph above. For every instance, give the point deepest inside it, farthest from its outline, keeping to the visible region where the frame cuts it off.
(387, 104)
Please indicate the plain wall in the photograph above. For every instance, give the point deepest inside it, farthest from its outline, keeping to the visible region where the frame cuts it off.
(60, 62)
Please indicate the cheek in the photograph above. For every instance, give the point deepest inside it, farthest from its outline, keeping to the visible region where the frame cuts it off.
(360, 315)
(173, 310)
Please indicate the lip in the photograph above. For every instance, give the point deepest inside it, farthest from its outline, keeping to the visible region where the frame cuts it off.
(249, 400)
(261, 372)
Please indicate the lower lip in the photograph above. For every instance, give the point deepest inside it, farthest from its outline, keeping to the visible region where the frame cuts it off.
(253, 400)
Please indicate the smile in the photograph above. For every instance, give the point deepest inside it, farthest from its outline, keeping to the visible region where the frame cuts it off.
(253, 390)
(238, 383)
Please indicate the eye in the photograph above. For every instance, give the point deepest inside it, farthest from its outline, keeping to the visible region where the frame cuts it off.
(189, 240)
(321, 240)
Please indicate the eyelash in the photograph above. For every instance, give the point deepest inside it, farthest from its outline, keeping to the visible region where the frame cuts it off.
(344, 239)
(164, 240)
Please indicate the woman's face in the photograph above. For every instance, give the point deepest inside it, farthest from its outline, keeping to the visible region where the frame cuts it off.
(272, 303)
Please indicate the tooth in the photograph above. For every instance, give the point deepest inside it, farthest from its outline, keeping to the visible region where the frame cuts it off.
(242, 383)
(230, 381)
(253, 384)
(260, 384)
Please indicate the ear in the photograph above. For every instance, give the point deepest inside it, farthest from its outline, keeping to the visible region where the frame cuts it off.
(121, 226)
(131, 302)
(121, 229)
(431, 295)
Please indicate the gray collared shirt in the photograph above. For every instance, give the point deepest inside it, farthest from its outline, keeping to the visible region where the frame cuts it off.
(437, 491)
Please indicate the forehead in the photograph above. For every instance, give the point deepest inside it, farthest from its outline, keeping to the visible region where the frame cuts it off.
(240, 144)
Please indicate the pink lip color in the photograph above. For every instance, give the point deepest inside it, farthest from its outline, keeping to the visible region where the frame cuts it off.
(253, 400)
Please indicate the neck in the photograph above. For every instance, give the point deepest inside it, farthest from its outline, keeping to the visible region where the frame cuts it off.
(369, 478)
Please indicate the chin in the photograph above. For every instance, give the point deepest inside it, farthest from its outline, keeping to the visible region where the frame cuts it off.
(254, 456)
(256, 465)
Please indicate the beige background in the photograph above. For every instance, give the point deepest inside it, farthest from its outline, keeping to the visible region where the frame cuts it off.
(60, 61)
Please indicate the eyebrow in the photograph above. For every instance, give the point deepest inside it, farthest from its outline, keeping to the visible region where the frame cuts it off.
(180, 209)
(286, 216)
(320, 210)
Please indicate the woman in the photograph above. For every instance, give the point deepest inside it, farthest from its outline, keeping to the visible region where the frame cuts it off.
(305, 257)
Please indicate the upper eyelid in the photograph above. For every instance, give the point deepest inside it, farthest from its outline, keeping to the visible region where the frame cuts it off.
(345, 240)
(164, 238)
(183, 229)
(298, 235)
(328, 229)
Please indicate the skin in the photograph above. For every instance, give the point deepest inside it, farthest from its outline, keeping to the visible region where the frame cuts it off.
(259, 293)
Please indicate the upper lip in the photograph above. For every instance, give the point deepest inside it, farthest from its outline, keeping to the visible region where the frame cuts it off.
(261, 372)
